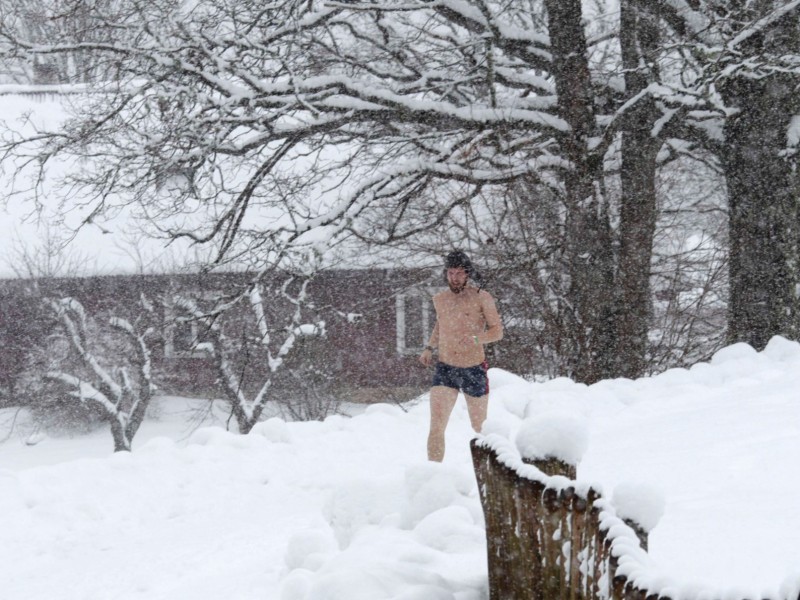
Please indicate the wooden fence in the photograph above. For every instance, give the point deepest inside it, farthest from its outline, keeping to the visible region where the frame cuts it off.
(547, 538)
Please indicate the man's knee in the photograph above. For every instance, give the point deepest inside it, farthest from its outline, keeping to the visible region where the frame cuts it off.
(477, 408)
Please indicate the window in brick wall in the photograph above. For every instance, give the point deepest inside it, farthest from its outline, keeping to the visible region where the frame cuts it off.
(415, 319)
(185, 338)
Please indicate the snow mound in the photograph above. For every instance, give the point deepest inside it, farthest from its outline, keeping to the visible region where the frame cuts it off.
(734, 353)
(560, 436)
(399, 539)
(353, 505)
(274, 430)
(500, 378)
(309, 549)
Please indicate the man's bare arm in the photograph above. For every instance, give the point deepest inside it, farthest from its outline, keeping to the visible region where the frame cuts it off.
(494, 326)
(426, 358)
(433, 342)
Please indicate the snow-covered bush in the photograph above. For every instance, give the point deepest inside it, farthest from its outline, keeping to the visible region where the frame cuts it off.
(56, 412)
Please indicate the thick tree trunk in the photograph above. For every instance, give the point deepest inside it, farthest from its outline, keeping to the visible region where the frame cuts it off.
(762, 185)
(589, 245)
(762, 210)
(639, 43)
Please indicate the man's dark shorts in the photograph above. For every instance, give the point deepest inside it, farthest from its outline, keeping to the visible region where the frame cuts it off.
(473, 381)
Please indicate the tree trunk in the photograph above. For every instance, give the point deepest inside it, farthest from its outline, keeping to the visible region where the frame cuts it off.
(762, 211)
(121, 441)
(762, 184)
(589, 249)
(136, 417)
(639, 42)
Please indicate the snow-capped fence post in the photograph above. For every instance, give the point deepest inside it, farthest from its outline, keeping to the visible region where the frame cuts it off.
(597, 549)
(554, 444)
(551, 567)
(530, 534)
(508, 575)
(640, 532)
(640, 506)
(553, 466)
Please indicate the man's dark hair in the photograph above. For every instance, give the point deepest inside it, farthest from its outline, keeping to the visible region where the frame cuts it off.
(456, 259)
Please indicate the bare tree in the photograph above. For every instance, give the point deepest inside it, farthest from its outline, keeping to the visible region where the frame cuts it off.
(249, 347)
(118, 383)
(47, 256)
(690, 266)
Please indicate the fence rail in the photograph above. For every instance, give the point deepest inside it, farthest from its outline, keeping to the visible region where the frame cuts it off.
(550, 537)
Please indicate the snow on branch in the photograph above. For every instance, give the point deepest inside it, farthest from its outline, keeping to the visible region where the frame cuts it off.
(84, 391)
(122, 325)
(763, 23)
(257, 303)
(73, 317)
(295, 326)
(408, 85)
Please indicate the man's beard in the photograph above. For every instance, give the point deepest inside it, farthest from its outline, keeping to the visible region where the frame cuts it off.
(456, 288)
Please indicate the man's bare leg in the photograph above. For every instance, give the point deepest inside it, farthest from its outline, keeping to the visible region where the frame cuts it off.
(443, 399)
(477, 409)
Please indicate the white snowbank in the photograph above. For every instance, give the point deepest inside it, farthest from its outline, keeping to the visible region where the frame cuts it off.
(350, 509)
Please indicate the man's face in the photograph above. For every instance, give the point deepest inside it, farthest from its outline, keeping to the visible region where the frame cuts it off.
(457, 279)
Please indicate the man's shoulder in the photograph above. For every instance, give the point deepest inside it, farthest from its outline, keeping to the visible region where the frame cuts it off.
(439, 295)
(485, 300)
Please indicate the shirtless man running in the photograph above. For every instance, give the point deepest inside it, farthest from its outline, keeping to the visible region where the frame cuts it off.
(466, 319)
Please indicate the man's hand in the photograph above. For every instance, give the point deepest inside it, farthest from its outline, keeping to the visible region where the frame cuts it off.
(426, 358)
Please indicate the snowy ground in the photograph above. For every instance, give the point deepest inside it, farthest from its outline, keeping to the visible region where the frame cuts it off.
(349, 509)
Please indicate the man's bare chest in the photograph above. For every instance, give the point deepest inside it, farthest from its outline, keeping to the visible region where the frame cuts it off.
(456, 311)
